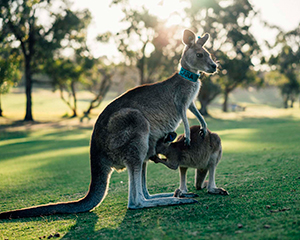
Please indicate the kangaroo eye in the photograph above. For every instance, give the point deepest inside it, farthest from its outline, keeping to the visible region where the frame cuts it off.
(199, 55)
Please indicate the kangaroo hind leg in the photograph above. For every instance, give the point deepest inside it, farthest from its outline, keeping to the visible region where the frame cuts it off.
(129, 142)
(136, 198)
(144, 186)
(182, 191)
(200, 175)
(212, 188)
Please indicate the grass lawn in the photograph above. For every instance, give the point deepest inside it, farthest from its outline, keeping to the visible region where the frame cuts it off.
(260, 169)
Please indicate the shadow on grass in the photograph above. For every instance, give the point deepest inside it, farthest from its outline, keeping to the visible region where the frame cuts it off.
(85, 225)
(136, 224)
(45, 143)
(13, 135)
(19, 129)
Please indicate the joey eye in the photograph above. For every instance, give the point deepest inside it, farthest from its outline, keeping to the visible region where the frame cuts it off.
(199, 55)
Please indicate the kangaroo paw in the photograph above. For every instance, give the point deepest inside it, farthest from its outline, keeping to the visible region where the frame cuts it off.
(203, 132)
(187, 142)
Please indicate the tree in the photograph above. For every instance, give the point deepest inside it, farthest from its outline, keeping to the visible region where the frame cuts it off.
(148, 44)
(98, 81)
(237, 73)
(39, 41)
(228, 24)
(9, 70)
(209, 90)
(287, 62)
(66, 74)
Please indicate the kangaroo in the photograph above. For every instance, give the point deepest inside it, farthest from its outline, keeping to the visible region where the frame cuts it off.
(204, 154)
(126, 132)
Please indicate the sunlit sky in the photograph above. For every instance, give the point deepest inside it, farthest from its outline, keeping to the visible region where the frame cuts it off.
(283, 13)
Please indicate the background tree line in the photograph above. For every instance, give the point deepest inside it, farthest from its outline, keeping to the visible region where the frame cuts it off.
(31, 46)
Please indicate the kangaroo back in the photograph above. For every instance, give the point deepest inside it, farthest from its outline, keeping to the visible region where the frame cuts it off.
(197, 139)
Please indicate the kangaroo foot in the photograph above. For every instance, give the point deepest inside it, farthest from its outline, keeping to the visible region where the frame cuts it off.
(219, 191)
(178, 193)
(170, 201)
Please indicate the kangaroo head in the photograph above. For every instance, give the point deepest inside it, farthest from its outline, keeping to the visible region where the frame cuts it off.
(195, 57)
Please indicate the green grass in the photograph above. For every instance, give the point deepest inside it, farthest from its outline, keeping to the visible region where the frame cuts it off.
(44, 163)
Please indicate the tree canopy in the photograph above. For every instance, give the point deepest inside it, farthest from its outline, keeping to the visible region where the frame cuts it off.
(233, 44)
(40, 31)
(147, 43)
(9, 70)
(287, 63)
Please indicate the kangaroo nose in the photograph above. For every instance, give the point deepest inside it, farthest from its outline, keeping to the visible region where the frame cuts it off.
(214, 66)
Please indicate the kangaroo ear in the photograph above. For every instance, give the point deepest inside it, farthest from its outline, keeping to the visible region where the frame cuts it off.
(170, 137)
(202, 40)
(188, 37)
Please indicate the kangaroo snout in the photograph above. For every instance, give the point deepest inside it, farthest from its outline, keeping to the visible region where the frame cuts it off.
(214, 66)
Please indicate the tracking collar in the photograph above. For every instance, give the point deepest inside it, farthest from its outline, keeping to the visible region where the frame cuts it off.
(193, 77)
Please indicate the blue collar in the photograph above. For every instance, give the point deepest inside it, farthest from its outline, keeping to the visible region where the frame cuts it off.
(193, 77)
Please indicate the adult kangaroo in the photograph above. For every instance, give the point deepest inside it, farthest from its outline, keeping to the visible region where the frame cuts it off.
(126, 133)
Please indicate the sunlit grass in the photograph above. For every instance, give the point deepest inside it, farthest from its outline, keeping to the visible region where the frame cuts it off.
(46, 105)
(45, 162)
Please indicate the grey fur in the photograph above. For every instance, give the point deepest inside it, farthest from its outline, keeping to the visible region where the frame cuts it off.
(126, 132)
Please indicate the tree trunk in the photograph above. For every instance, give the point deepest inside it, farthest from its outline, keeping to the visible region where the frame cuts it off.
(225, 103)
(104, 87)
(209, 91)
(203, 109)
(74, 113)
(1, 115)
(142, 77)
(74, 99)
(141, 65)
(292, 102)
(285, 101)
(27, 56)
(28, 90)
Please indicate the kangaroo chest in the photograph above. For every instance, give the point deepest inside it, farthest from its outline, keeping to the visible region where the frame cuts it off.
(185, 94)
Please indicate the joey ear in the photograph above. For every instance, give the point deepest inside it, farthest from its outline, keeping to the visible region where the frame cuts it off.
(202, 40)
(188, 37)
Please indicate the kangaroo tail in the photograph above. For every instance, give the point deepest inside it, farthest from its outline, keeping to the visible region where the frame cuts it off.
(98, 188)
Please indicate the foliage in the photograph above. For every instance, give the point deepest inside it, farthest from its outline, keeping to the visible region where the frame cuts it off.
(9, 70)
(66, 74)
(148, 44)
(287, 62)
(155, 49)
(233, 45)
(40, 40)
(98, 81)
(208, 92)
